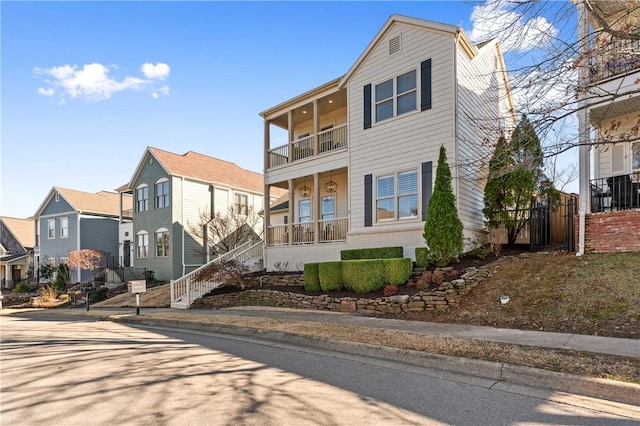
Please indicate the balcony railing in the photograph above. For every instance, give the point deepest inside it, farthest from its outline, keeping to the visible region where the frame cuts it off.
(614, 193)
(614, 57)
(331, 230)
(328, 140)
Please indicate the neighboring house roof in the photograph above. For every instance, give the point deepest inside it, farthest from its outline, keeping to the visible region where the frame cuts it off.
(22, 229)
(100, 203)
(203, 168)
(281, 203)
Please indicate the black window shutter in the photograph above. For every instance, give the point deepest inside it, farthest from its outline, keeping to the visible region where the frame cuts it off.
(427, 179)
(367, 106)
(368, 200)
(425, 85)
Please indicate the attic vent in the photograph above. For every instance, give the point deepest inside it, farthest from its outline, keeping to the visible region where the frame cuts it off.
(394, 45)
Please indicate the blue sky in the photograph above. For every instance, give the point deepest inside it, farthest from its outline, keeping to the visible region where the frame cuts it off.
(87, 86)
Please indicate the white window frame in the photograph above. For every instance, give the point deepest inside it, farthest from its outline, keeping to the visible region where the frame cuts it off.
(142, 198)
(396, 196)
(64, 227)
(395, 96)
(163, 193)
(324, 213)
(304, 219)
(241, 203)
(162, 242)
(142, 250)
(635, 157)
(51, 229)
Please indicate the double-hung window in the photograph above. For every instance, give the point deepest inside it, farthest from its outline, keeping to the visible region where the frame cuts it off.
(305, 211)
(328, 207)
(142, 245)
(162, 194)
(162, 242)
(51, 229)
(397, 196)
(396, 96)
(635, 160)
(241, 204)
(64, 227)
(142, 198)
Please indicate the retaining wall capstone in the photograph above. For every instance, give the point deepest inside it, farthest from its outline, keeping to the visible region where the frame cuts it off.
(439, 299)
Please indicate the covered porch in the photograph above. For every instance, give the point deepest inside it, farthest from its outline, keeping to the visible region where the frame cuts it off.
(313, 211)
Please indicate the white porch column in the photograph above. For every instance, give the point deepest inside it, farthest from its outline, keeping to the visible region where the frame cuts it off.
(292, 196)
(583, 126)
(267, 145)
(315, 207)
(267, 215)
(316, 127)
(290, 135)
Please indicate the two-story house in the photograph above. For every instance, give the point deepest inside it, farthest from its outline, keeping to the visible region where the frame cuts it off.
(610, 193)
(172, 194)
(360, 157)
(17, 239)
(69, 220)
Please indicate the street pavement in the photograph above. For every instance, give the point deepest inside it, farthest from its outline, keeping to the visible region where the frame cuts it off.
(211, 320)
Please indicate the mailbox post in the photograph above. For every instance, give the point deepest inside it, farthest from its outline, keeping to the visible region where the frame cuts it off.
(137, 287)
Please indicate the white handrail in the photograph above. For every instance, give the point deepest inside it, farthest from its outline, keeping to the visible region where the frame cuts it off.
(185, 290)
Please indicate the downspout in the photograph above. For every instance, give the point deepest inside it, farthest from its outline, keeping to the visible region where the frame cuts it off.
(184, 267)
(205, 230)
(79, 272)
(583, 126)
(455, 116)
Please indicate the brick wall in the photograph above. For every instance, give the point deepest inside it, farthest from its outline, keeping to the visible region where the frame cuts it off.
(611, 232)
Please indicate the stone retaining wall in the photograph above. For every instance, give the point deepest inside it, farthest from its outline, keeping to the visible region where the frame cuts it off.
(449, 293)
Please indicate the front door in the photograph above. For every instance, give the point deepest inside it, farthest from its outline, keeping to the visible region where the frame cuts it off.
(126, 254)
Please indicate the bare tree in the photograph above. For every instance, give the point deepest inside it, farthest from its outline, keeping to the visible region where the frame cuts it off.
(85, 260)
(222, 233)
(543, 60)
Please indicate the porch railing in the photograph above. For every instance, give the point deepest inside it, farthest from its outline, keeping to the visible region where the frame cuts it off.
(614, 57)
(614, 193)
(331, 230)
(328, 140)
(186, 289)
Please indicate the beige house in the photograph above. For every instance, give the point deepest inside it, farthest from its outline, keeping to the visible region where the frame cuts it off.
(360, 158)
(611, 127)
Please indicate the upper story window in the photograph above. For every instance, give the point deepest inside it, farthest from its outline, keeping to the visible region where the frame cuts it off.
(162, 242)
(142, 245)
(162, 194)
(241, 204)
(51, 229)
(396, 96)
(142, 198)
(397, 196)
(64, 227)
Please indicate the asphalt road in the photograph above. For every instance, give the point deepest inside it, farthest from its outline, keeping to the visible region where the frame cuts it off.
(58, 372)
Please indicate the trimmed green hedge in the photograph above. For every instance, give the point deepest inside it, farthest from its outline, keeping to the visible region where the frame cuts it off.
(372, 253)
(422, 257)
(330, 274)
(397, 271)
(312, 276)
(363, 276)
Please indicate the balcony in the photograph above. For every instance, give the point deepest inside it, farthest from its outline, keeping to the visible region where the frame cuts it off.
(326, 141)
(330, 231)
(613, 58)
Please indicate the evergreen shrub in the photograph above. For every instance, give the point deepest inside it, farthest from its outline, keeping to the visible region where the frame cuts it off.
(372, 253)
(397, 271)
(330, 274)
(363, 276)
(422, 257)
(312, 277)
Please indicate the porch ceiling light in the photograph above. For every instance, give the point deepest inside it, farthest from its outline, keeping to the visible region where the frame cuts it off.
(305, 191)
(331, 186)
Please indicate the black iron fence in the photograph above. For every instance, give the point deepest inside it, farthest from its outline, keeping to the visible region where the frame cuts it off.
(551, 224)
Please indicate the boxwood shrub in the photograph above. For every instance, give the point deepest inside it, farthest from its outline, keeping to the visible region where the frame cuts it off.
(397, 271)
(363, 276)
(422, 257)
(372, 253)
(311, 277)
(330, 274)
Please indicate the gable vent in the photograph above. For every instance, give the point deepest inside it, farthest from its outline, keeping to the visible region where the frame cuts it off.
(394, 45)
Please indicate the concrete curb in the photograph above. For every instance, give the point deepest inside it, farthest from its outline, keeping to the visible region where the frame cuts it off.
(627, 393)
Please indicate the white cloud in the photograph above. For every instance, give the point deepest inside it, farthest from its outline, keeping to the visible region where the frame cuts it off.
(495, 18)
(46, 92)
(158, 71)
(93, 82)
(164, 91)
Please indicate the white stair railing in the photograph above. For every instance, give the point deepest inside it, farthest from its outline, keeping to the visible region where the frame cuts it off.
(186, 289)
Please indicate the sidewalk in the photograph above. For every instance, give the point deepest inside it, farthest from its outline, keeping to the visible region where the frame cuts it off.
(229, 321)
